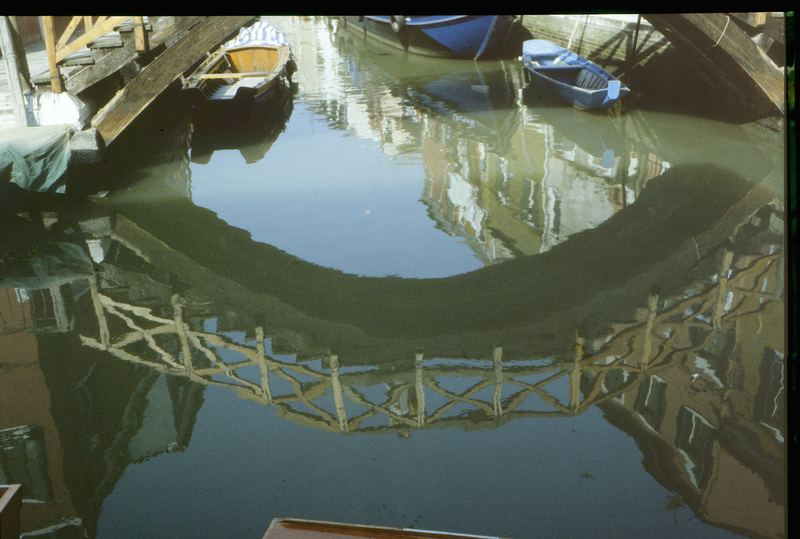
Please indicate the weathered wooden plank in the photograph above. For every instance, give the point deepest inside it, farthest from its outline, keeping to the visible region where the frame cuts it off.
(164, 29)
(736, 43)
(12, 70)
(102, 68)
(722, 48)
(124, 107)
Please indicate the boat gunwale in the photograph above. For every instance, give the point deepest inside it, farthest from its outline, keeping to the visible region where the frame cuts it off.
(411, 22)
(195, 80)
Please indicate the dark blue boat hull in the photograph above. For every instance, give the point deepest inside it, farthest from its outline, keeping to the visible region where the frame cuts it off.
(444, 36)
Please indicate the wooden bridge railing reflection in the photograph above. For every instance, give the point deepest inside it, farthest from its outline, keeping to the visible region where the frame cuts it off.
(408, 399)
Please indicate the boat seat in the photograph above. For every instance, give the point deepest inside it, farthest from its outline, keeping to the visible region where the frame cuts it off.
(590, 81)
(228, 91)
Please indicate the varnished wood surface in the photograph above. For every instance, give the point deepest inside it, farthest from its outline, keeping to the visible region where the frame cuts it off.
(112, 119)
(285, 528)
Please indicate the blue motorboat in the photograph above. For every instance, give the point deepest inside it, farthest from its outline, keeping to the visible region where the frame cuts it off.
(446, 36)
(578, 80)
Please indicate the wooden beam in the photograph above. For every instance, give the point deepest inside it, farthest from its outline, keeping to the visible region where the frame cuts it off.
(97, 30)
(52, 63)
(73, 24)
(87, 23)
(724, 49)
(124, 107)
(140, 36)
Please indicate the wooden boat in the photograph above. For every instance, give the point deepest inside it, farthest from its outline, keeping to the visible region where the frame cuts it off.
(251, 66)
(290, 528)
(447, 36)
(578, 80)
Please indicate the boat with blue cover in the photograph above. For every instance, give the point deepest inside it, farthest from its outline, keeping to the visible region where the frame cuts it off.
(578, 80)
(446, 36)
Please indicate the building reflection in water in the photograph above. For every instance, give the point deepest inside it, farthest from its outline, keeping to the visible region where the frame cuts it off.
(116, 331)
(695, 378)
(510, 179)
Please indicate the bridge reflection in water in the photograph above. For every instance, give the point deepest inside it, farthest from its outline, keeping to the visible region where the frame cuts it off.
(664, 311)
(689, 374)
(636, 353)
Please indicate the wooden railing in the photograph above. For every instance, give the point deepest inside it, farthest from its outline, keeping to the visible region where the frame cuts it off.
(59, 47)
(500, 390)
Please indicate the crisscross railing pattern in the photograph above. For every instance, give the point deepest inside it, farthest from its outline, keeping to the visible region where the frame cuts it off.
(320, 392)
(61, 46)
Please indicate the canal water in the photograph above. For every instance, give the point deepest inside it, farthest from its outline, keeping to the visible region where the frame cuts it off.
(410, 292)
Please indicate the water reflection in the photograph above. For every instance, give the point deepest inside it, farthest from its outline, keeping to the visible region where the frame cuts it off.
(637, 285)
(676, 373)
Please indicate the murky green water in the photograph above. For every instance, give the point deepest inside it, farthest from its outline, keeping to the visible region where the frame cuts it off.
(409, 294)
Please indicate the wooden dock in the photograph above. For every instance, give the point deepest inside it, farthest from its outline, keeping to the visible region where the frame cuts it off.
(131, 59)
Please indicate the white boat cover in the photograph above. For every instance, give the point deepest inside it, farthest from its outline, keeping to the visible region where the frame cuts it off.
(260, 33)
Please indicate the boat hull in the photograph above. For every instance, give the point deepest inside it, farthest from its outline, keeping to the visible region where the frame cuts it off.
(443, 36)
(577, 80)
(241, 76)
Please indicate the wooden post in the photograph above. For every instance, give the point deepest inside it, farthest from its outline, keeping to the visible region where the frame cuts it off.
(262, 364)
(575, 374)
(13, 68)
(632, 59)
(497, 396)
(139, 34)
(647, 347)
(87, 23)
(180, 329)
(419, 386)
(50, 43)
(102, 323)
(727, 259)
(341, 413)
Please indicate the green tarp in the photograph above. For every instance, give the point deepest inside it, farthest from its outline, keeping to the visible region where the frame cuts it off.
(35, 158)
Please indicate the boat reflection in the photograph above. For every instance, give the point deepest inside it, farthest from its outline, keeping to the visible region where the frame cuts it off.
(251, 130)
(510, 179)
